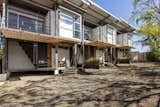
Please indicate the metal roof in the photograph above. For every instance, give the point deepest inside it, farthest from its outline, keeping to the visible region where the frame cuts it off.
(96, 14)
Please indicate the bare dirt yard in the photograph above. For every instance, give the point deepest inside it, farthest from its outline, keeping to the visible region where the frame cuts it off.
(134, 85)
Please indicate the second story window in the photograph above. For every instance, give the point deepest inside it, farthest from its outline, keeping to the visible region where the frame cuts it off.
(70, 24)
(23, 21)
(26, 23)
(111, 35)
(13, 20)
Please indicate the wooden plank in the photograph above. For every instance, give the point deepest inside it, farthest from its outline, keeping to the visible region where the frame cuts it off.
(100, 44)
(29, 36)
(124, 47)
(36, 37)
(49, 55)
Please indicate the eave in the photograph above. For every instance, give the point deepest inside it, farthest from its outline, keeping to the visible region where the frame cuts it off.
(36, 37)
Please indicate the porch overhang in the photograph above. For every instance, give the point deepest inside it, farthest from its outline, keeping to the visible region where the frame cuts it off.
(124, 47)
(99, 44)
(35, 37)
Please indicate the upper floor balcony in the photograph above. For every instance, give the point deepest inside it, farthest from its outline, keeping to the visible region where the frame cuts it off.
(101, 34)
(124, 40)
(25, 24)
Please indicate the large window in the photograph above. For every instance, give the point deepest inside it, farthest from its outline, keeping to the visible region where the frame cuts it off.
(111, 35)
(70, 25)
(18, 21)
(13, 20)
(26, 23)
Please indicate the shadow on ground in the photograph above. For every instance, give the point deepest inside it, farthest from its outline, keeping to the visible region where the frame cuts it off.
(134, 87)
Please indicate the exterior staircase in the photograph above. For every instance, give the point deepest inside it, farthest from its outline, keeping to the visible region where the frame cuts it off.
(70, 71)
(28, 49)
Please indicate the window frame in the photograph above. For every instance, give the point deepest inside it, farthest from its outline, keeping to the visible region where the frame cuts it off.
(25, 13)
(74, 22)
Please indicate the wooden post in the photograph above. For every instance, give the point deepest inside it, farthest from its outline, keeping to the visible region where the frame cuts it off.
(49, 55)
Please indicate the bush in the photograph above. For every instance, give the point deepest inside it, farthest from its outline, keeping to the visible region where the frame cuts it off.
(154, 56)
(92, 63)
(1, 52)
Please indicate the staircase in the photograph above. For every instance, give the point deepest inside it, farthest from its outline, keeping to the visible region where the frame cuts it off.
(109, 64)
(28, 49)
(70, 71)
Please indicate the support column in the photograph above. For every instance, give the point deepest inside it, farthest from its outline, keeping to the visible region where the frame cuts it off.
(103, 57)
(83, 43)
(56, 72)
(75, 55)
(49, 55)
(35, 55)
(4, 13)
(5, 55)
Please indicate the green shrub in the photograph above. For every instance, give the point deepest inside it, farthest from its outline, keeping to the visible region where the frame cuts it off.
(1, 52)
(154, 56)
(92, 61)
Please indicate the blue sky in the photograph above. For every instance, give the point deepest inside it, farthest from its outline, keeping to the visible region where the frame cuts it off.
(122, 9)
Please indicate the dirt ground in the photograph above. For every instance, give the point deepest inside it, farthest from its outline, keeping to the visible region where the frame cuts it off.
(134, 85)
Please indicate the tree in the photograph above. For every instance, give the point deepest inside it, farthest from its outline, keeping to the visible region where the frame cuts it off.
(147, 16)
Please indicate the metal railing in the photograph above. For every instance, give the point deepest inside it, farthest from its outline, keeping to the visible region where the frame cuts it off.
(124, 39)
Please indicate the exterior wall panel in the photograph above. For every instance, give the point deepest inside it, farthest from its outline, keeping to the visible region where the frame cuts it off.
(17, 58)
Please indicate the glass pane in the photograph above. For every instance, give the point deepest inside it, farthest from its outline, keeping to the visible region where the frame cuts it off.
(77, 19)
(69, 24)
(12, 20)
(26, 23)
(77, 34)
(77, 26)
(40, 27)
(64, 16)
(110, 31)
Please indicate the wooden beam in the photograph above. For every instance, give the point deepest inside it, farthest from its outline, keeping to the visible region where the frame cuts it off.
(100, 44)
(29, 36)
(49, 55)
